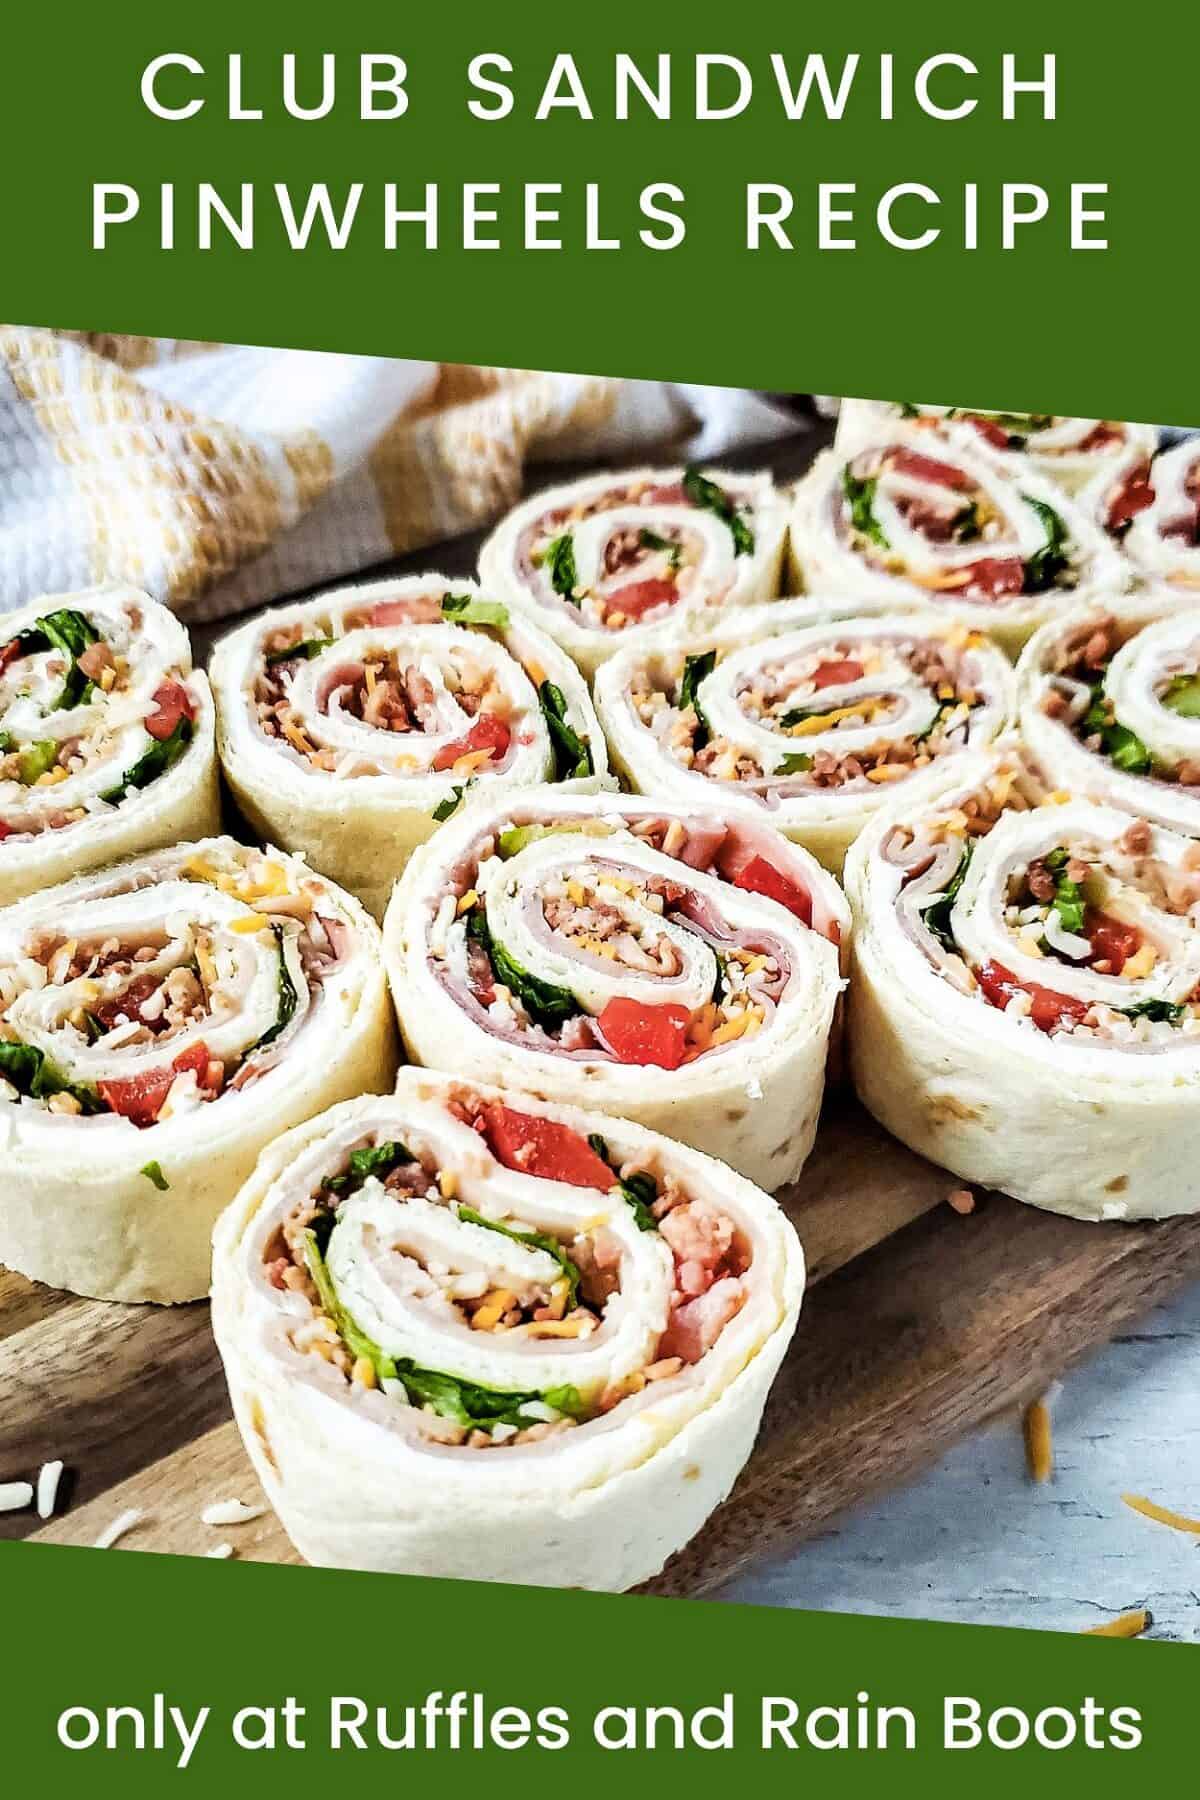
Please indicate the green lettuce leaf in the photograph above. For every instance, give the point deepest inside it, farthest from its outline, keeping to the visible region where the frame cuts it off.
(704, 493)
(304, 651)
(286, 995)
(1182, 696)
(695, 670)
(31, 1072)
(468, 1404)
(861, 496)
(1068, 901)
(546, 1004)
(572, 757)
(537, 1240)
(650, 540)
(473, 609)
(376, 1160)
(37, 760)
(937, 916)
(1045, 568)
(639, 1192)
(446, 808)
(560, 554)
(154, 762)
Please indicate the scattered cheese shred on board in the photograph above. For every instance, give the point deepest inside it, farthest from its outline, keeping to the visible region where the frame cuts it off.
(1039, 1443)
(1125, 1625)
(1162, 1515)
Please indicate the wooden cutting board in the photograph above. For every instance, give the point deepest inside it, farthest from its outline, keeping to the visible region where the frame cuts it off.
(919, 1324)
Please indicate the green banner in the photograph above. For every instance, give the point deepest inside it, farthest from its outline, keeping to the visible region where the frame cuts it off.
(949, 203)
(137, 1671)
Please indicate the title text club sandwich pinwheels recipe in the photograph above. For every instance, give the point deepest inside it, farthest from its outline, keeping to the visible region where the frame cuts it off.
(160, 1023)
(803, 723)
(352, 725)
(106, 736)
(576, 953)
(1024, 1007)
(471, 1333)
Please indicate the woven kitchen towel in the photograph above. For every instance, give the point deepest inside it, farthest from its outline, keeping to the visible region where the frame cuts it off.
(219, 476)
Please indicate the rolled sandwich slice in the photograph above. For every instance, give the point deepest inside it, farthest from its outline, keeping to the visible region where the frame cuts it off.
(784, 715)
(671, 965)
(600, 562)
(1120, 489)
(352, 725)
(1110, 707)
(905, 522)
(106, 736)
(469, 1333)
(159, 1023)
(1023, 1007)
(1072, 453)
(1163, 539)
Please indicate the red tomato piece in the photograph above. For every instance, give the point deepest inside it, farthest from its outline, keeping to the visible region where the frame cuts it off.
(417, 608)
(637, 1033)
(1049, 1009)
(990, 430)
(638, 597)
(1111, 939)
(9, 653)
(5, 831)
(487, 733)
(543, 1147)
(1133, 497)
(141, 1097)
(172, 702)
(835, 674)
(995, 576)
(673, 494)
(1102, 437)
(759, 876)
(928, 468)
(129, 1002)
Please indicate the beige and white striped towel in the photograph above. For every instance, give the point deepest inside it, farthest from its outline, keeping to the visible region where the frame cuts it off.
(219, 476)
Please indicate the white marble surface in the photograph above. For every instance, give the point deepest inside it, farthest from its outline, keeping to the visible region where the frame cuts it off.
(976, 1541)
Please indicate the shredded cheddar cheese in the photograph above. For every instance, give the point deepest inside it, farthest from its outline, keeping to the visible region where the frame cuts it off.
(1125, 1625)
(1039, 1443)
(1162, 1515)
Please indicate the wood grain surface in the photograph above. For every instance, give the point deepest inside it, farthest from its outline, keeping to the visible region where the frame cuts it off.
(919, 1324)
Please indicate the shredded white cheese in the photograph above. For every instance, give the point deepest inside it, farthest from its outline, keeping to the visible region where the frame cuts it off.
(230, 1512)
(49, 1476)
(15, 1495)
(124, 1522)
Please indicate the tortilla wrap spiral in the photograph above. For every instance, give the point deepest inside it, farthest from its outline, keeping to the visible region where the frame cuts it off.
(1072, 453)
(909, 522)
(350, 725)
(1110, 707)
(601, 562)
(398, 1414)
(782, 715)
(106, 736)
(1021, 1006)
(159, 1023)
(575, 958)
